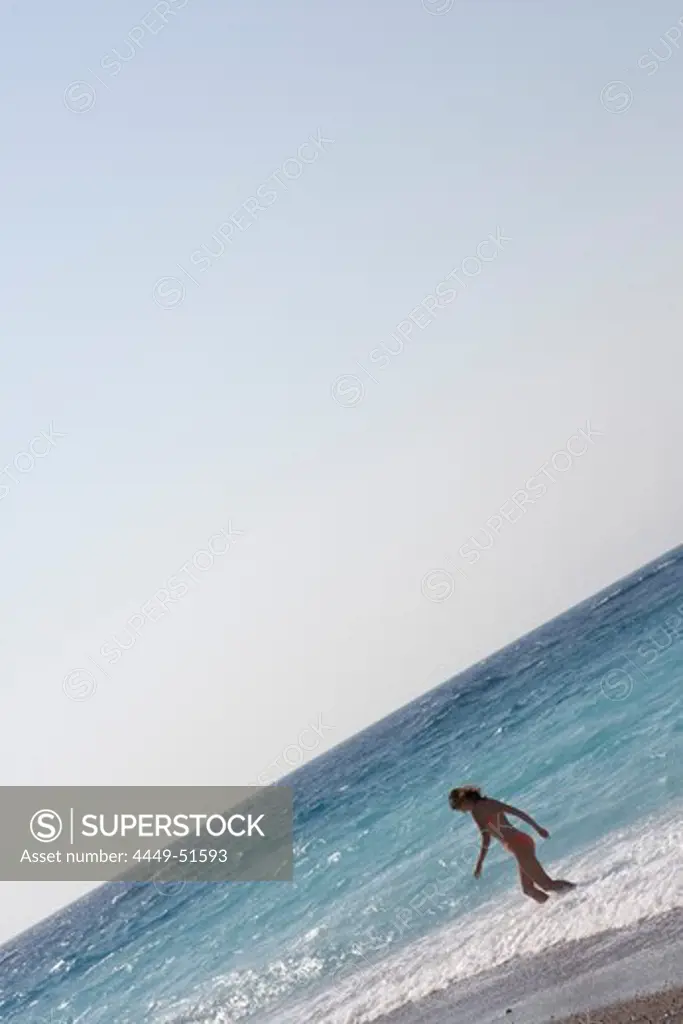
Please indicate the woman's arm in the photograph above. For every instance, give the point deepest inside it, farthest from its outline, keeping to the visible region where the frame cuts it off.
(507, 809)
(485, 843)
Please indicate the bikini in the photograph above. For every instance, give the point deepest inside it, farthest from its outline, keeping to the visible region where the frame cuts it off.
(512, 839)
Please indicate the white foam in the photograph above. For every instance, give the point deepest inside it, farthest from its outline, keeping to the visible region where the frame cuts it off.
(630, 875)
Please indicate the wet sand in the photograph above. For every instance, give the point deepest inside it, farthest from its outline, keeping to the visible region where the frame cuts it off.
(660, 1008)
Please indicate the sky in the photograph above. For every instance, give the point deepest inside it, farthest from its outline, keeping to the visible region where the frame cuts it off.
(451, 241)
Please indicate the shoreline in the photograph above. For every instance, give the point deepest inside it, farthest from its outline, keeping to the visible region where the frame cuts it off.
(629, 976)
(665, 1007)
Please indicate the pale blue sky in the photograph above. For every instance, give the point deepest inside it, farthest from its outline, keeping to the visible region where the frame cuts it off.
(220, 410)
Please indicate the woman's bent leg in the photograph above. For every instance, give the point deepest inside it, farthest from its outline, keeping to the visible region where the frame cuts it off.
(530, 889)
(531, 867)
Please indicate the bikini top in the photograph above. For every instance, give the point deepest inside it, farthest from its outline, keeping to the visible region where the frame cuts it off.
(496, 823)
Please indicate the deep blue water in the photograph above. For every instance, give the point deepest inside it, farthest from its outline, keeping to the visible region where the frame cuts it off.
(580, 723)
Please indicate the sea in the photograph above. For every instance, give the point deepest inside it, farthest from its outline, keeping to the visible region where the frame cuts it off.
(580, 723)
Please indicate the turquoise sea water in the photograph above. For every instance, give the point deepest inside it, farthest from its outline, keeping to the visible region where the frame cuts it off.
(579, 723)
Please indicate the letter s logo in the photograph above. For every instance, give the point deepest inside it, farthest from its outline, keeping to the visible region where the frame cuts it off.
(46, 826)
(79, 97)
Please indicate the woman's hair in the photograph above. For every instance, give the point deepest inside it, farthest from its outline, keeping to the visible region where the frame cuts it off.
(457, 797)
